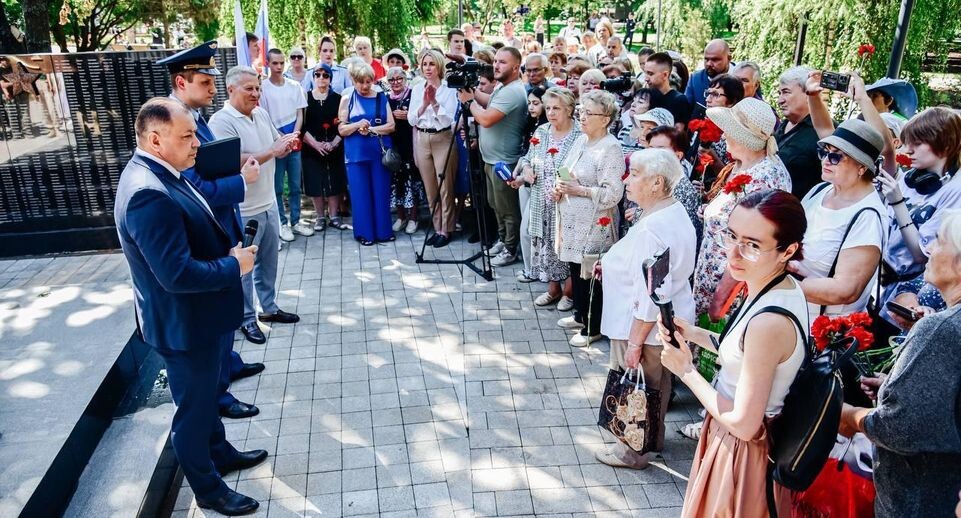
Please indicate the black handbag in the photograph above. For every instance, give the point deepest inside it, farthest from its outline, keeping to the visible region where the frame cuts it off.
(390, 158)
(630, 409)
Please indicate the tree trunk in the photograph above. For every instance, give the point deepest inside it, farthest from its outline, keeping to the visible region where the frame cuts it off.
(36, 19)
(8, 44)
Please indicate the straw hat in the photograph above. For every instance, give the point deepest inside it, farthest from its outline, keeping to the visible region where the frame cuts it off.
(750, 123)
(858, 140)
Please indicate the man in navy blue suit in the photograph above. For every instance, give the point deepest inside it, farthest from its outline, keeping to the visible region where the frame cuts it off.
(186, 270)
(192, 74)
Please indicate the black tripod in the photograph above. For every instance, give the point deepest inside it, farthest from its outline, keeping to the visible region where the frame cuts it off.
(477, 190)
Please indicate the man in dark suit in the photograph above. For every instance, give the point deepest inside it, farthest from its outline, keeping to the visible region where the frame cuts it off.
(192, 74)
(186, 271)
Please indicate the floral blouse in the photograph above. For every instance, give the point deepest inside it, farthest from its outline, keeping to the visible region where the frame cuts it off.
(545, 168)
(769, 173)
(598, 167)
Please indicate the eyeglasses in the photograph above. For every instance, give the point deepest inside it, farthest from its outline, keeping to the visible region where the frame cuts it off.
(833, 158)
(712, 95)
(395, 79)
(296, 56)
(585, 113)
(322, 75)
(749, 251)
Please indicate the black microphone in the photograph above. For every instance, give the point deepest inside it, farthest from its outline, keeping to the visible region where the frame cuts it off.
(250, 232)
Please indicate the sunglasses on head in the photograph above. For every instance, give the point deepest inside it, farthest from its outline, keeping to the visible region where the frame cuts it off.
(834, 158)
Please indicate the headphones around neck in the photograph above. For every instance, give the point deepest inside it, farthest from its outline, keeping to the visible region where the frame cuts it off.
(925, 181)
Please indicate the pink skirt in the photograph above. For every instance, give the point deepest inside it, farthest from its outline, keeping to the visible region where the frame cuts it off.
(728, 477)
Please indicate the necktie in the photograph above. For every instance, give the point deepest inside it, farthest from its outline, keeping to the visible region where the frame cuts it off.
(203, 131)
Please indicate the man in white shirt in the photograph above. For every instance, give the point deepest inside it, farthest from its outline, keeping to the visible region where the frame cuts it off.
(285, 101)
(241, 117)
(570, 30)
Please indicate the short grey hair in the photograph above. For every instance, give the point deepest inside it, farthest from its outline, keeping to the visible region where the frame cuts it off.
(951, 228)
(538, 56)
(235, 74)
(658, 162)
(395, 71)
(605, 101)
(565, 96)
(359, 70)
(753, 67)
(795, 76)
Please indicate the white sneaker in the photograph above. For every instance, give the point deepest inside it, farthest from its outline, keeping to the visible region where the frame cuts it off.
(285, 233)
(580, 340)
(565, 304)
(399, 224)
(569, 323)
(411, 226)
(504, 258)
(522, 276)
(303, 229)
(496, 249)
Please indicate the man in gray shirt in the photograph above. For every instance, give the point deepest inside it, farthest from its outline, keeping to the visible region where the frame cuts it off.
(502, 117)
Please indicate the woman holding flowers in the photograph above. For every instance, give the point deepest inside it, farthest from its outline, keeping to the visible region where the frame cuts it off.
(549, 147)
(915, 426)
(760, 354)
(629, 314)
(324, 178)
(586, 202)
(748, 128)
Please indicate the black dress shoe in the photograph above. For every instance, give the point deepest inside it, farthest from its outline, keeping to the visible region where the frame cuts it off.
(280, 317)
(473, 238)
(243, 460)
(441, 241)
(248, 370)
(432, 239)
(239, 410)
(253, 333)
(231, 504)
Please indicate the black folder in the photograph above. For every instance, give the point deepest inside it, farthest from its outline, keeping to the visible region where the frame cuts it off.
(218, 158)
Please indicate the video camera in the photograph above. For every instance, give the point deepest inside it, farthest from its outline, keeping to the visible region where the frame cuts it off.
(465, 76)
(618, 84)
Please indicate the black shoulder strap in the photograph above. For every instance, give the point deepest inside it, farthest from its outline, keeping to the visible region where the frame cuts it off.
(844, 238)
(377, 109)
(819, 187)
(742, 309)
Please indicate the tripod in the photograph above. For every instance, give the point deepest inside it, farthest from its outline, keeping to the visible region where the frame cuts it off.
(477, 189)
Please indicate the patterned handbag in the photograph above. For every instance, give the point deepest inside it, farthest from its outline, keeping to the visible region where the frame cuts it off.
(629, 410)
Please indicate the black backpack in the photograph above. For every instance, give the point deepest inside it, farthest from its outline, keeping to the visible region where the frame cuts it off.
(802, 436)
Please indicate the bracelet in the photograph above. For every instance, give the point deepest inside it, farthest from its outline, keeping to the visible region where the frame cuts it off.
(633, 346)
(902, 200)
(906, 225)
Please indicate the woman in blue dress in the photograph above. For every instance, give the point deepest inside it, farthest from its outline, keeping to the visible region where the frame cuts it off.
(366, 117)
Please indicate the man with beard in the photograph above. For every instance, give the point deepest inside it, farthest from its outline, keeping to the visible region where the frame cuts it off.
(717, 60)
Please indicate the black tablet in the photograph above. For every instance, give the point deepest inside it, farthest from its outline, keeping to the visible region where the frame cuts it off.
(218, 158)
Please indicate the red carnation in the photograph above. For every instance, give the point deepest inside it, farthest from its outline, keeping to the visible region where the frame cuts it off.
(535, 141)
(708, 132)
(703, 162)
(336, 120)
(405, 66)
(604, 221)
(861, 318)
(325, 125)
(863, 336)
(552, 151)
(737, 184)
(903, 160)
(867, 49)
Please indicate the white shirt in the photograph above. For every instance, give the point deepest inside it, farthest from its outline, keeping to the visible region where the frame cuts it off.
(625, 288)
(731, 357)
(176, 174)
(822, 241)
(597, 52)
(257, 133)
(442, 117)
(282, 102)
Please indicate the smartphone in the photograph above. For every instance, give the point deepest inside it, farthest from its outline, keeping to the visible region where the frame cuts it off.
(903, 312)
(564, 173)
(835, 81)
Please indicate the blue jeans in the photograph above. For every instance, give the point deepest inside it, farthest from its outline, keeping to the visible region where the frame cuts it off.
(291, 165)
(264, 275)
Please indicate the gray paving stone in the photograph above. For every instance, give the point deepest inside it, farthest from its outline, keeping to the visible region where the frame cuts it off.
(431, 495)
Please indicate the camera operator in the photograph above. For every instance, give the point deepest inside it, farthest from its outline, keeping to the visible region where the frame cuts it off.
(502, 117)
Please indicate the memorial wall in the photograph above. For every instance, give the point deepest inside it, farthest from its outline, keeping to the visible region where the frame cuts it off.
(66, 133)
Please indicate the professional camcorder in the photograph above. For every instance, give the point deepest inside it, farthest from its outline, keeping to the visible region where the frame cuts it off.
(465, 76)
(618, 84)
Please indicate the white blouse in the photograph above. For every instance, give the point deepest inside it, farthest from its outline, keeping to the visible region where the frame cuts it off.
(731, 356)
(442, 117)
(625, 288)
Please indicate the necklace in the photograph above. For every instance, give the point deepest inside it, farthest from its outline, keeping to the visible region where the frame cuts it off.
(320, 97)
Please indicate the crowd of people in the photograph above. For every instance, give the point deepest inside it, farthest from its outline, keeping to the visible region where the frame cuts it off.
(612, 158)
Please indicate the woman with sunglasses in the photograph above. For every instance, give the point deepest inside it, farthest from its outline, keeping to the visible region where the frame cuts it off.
(324, 178)
(760, 354)
(433, 114)
(839, 271)
(298, 70)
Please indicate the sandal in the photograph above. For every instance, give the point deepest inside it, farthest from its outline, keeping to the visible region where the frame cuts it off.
(366, 242)
(340, 225)
(692, 430)
(546, 299)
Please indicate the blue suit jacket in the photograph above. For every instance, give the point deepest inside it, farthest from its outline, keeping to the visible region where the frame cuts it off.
(187, 291)
(222, 194)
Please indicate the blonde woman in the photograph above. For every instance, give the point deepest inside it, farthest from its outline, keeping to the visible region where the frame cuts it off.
(433, 106)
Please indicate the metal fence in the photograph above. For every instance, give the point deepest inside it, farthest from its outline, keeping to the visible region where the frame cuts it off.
(66, 133)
